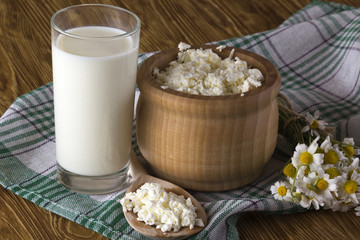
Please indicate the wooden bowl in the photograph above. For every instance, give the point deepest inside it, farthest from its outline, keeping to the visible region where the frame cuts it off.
(207, 143)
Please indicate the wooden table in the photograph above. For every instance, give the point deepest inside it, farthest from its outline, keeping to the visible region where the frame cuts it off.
(25, 64)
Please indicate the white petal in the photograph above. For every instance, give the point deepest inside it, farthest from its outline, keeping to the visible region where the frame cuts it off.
(309, 118)
(349, 141)
(318, 158)
(332, 187)
(353, 198)
(273, 189)
(315, 132)
(322, 124)
(305, 129)
(301, 148)
(327, 195)
(315, 204)
(316, 114)
(313, 146)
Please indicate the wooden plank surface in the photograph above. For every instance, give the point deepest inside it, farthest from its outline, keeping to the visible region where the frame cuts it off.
(25, 64)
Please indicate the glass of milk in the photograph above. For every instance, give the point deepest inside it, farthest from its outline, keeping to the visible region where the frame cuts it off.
(94, 57)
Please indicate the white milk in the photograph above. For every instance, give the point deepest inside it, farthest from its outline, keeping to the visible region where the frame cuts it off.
(94, 84)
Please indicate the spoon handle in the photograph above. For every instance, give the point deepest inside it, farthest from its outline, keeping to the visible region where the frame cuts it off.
(136, 169)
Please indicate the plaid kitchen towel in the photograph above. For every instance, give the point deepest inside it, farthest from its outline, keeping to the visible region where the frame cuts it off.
(317, 52)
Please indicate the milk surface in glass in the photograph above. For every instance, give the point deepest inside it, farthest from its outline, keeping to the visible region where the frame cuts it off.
(94, 84)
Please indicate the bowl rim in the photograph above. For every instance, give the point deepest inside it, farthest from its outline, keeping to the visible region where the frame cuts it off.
(148, 83)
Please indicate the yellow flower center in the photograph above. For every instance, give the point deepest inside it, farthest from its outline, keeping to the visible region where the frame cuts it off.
(322, 184)
(333, 172)
(282, 191)
(306, 158)
(319, 150)
(290, 170)
(350, 186)
(306, 171)
(314, 124)
(331, 157)
(349, 150)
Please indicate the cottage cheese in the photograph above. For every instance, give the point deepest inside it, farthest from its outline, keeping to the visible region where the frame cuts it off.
(203, 72)
(166, 210)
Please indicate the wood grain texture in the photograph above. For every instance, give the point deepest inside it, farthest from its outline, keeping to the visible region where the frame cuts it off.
(204, 143)
(321, 225)
(25, 64)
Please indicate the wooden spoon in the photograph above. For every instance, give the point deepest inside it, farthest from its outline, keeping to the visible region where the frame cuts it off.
(141, 177)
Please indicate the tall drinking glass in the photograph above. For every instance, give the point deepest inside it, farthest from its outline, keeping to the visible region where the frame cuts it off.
(94, 57)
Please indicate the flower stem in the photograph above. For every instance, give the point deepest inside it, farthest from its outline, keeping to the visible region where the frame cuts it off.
(296, 174)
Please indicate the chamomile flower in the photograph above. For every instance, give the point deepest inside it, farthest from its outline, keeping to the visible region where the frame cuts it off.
(281, 191)
(326, 145)
(313, 123)
(315, 201)
(349, 147)
(357, 211)
(325, 174)
(348, 188)
(332, 171)
(306, 187)
(325, 187)
(306, 155)
(354, 166)
(349, 141)
(289, 171)
(301, 199)
(305, 184)
(334, 156)
(332, 153)
(340, 205)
